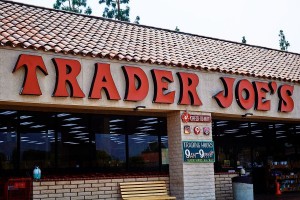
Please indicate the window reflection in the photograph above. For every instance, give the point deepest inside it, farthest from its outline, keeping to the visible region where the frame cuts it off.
(37, 140)
(164, 151)
(144, 146)
(110, 141)
(143, 150)
(74, 149)
(8, 140)
(254, 144)
(81, 141)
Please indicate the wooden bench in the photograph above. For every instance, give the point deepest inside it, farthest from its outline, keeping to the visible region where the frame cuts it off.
(144, 190)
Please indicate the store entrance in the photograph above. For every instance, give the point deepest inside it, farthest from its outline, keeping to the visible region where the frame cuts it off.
(268, 151)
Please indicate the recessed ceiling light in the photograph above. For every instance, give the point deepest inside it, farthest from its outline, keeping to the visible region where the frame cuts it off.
(137, 138)
(78, 127)
(82, 133)
(26, 123)
(142, 127)
(37, 126)
(240, 136)
(40, 143)
(72, 119)
(71, 143)
(116, 120)
(8, 112)
(63, 114)
(25, 117)
(149, 119)
(74, 131)
(280, 136)
(154, 122)
(69, 125)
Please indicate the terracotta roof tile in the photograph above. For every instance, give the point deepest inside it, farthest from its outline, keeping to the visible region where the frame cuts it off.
(63, 32)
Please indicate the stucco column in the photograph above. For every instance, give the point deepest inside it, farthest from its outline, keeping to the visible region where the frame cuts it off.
(189, 180)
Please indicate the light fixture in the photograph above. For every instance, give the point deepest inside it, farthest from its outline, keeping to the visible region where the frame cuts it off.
(247, 115)
(139, 108)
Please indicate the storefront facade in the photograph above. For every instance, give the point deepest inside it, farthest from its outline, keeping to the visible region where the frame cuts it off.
(69, 107)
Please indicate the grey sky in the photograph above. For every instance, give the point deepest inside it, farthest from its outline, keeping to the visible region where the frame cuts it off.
(258, 20)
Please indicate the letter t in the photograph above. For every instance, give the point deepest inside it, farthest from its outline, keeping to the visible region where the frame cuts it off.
(30, 83)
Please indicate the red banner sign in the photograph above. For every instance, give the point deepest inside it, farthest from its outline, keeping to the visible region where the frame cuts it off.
(186, 117)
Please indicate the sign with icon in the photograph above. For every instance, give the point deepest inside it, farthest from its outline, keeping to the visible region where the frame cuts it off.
(206, 131)
(187, 129)
(196, 130)
(186, 117)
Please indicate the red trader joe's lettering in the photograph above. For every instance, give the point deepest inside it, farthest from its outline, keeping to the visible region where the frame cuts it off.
(224, 98)
(286, 102)
(161, 80)
(261, 89)
(103, 80)
(66, 73)
(246, 102)
(188, 89)
(31, 63)
(135, 75)
(248, 94)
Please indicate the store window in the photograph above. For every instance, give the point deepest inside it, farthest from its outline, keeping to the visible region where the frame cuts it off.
(109, 140)
(143, 142)
(8, 140)
(268, 151)
(74, 142)
(37, 140)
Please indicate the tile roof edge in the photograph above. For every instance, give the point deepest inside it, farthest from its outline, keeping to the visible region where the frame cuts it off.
(146, 26)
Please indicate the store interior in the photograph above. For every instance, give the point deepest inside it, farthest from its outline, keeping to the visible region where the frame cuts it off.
(268, 151)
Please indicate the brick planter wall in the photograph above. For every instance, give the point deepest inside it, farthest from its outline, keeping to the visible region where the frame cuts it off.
(72, 189)
(223, 185)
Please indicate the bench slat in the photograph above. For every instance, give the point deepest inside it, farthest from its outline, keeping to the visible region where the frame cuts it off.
(143, 186)
(143, 189)
(143, 183)
(148, 190)
(145, 192)
(138, 188)
(150, 198)
(143, 196)
(142, 192)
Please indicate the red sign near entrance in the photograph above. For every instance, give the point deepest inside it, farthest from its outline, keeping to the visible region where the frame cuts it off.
(186, 117)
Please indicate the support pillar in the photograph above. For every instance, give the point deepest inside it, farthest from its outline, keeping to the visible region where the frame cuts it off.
(189, 181)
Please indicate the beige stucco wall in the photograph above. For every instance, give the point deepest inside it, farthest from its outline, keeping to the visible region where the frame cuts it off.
(210, 84)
